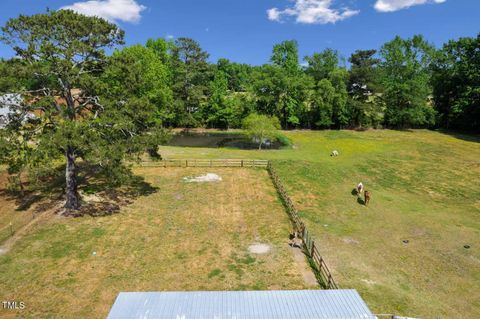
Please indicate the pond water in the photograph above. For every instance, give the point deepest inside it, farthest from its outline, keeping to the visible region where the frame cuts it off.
(216, 140)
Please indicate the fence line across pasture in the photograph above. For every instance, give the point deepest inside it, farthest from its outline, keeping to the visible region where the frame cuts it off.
(320, 268)
(207, 163)
(322, 272)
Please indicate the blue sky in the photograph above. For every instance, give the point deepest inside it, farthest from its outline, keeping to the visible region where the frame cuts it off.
(245, 30)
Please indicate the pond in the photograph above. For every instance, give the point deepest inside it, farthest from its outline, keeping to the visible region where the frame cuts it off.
(216, 140)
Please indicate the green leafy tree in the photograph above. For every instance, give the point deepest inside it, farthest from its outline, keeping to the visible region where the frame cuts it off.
(191, 76)
(320, 65)
(281, 94)
(261, 128)
(219, 111)
(340, 113)
(364, 87)
(281, 88)
(323, 100)
(364, 74)
(238, 75)
(64, 52)
(456, 84)
(406, 79)
(241, 104)
(142, 72)
(162, 48)
(285, 55)
(329, 105)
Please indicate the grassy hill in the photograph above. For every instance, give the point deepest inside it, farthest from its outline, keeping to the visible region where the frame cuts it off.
(404, 252)
(425, 189)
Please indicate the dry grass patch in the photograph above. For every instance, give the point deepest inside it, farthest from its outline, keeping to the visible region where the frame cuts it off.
(184, 236)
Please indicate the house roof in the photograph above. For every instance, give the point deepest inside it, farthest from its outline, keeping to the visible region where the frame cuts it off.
(299, 304)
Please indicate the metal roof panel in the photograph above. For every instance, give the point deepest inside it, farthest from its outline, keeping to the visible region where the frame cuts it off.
(299, 304)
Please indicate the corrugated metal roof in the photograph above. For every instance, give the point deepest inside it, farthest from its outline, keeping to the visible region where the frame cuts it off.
(298, 304)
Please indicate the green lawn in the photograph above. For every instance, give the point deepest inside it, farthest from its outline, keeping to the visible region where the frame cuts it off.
(425, 189)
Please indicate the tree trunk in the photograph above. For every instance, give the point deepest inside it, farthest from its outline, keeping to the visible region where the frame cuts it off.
(71, 192)
(73, 200)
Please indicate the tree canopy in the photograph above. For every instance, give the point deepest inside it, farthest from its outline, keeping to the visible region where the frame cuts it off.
(406, 78)
(456, 84)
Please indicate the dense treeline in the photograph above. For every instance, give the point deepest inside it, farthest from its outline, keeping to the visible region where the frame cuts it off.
(406, 83)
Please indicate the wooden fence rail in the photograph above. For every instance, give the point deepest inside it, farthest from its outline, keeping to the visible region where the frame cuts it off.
(323, 274)
(207, 163)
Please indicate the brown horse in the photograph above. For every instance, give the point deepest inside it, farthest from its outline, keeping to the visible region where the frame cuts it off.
(367, 197)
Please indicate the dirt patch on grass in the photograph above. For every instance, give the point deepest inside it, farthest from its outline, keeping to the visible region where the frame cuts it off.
(207, 178)
(303, 268)
(259, 249)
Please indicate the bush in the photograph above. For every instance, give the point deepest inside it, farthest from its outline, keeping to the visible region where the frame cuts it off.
(282, 139)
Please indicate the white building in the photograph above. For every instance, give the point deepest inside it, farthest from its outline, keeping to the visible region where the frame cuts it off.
(8, 104)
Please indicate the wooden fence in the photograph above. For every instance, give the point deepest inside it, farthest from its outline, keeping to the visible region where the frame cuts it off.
(323, 274)
(317, 262)
(208, 163)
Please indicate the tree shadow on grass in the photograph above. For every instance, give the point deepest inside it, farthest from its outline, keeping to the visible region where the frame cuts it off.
(109, 200)
(469, 137)
(99, 196)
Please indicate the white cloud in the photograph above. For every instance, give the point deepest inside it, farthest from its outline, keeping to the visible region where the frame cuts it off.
(312, 12)
(274, 14)
(112, 10)
(395, 5)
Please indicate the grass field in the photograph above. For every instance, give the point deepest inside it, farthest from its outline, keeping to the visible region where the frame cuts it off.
(183, 236)
(425, 189)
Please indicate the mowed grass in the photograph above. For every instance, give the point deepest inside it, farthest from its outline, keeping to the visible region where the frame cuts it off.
(425, 188)
(184, 236)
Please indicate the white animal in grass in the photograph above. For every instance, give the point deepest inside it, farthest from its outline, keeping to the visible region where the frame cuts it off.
(360, 188)
(334, 153)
